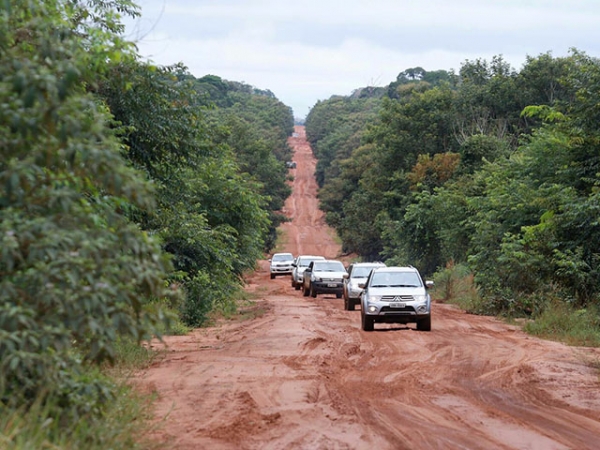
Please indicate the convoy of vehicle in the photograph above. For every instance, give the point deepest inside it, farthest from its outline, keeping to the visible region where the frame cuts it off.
(385, 294)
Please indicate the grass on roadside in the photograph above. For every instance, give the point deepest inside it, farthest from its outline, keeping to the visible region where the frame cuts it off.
(125, 421)
(556, 320)
(562, 322)
(246, 307)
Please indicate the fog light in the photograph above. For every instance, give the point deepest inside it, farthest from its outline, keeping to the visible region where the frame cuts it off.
(422, 309)
(372, 308)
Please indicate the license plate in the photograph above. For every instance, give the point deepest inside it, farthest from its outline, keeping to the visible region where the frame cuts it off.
(332, 285)
(398, 305)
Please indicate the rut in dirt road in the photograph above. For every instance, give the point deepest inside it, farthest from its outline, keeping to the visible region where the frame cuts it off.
(302, 375)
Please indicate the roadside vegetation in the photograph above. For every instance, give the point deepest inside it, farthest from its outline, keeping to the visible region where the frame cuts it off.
(486, 179)
(133, 199)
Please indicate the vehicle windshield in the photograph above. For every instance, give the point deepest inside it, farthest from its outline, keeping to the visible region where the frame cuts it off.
(282, 257)
(361, 272)
(305, 262)
(330, 266)
(396, 279)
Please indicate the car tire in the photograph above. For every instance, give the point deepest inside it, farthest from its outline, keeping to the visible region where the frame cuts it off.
(313, 293)
(272, 276)
(338, 295)
(350, 305)
(424, 324)
(368, 324)
(346, 304)
(297, 286)
(293, 283)
(305, 291)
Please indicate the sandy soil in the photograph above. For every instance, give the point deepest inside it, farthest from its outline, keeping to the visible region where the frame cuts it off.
(304, 376)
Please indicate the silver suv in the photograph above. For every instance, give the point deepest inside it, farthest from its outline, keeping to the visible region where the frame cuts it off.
(395, 295)
(357, 273)
(300, 264)
(323, 277)
(281, 264)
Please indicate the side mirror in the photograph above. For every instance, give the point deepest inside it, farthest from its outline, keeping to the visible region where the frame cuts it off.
(346, 276)
(429, 284)
(362, 285)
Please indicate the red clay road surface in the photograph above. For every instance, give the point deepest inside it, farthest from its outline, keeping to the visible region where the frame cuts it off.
(304, 376)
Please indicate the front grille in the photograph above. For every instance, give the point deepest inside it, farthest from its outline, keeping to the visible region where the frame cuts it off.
(397, 298)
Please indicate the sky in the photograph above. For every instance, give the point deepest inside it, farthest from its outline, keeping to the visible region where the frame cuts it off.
(307, 51)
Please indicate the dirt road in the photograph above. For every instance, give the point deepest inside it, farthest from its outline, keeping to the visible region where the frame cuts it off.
(304, 376)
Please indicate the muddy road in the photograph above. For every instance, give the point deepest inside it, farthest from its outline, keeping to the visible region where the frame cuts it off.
(304, 376)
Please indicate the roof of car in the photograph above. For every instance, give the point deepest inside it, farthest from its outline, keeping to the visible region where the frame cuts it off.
(311, 256)
(360, 264)
(396, 269)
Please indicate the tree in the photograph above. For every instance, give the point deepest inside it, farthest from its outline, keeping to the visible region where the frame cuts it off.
(74, 272)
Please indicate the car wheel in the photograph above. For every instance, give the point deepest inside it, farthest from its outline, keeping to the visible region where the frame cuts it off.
(424, 324)
(297, 286)
(293, 284)
(338, 295)
(272, 276)
(304, 291)
(313, 293)
(350, 305)
(346, 305)
(367, 323)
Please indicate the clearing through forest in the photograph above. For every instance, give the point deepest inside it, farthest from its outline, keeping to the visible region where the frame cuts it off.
(304, 376)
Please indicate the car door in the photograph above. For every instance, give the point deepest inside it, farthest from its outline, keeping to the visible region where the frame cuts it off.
(346, 280)
(306, 275)
(365, 289)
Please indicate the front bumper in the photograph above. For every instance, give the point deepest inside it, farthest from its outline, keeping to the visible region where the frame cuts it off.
(397, 312)
(325, 287)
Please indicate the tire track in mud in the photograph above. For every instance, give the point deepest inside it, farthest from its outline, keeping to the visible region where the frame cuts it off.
(304, 376)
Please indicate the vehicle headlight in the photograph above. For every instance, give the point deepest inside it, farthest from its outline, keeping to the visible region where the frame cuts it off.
(374, 298)
(422, 309)
(420, 298)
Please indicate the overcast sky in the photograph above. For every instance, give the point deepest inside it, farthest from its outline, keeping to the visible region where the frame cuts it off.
(305, 51)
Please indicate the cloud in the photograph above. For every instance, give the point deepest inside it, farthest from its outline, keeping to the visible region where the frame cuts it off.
(308, 51)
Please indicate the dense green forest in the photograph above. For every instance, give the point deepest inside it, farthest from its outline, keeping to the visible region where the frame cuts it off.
(490, 172)
(133, 199)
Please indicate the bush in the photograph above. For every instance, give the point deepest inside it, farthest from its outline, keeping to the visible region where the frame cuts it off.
(562, 322)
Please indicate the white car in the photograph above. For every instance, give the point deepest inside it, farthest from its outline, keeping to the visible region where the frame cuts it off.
(281, 264)
(395, 295)
(300, 264)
